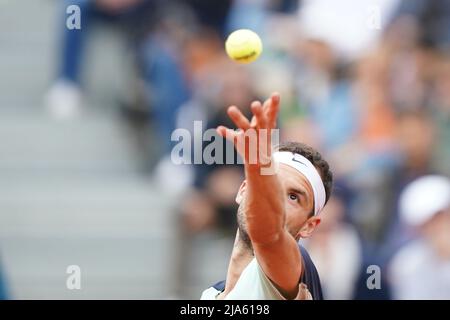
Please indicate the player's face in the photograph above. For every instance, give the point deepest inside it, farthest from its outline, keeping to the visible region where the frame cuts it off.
(299, 202)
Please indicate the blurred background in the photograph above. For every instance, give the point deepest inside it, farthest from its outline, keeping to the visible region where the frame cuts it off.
(86, 117)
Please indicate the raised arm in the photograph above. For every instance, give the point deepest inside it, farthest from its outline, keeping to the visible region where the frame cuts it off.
(275, 249)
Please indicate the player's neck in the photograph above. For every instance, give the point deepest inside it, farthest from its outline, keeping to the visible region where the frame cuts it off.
(239, 260)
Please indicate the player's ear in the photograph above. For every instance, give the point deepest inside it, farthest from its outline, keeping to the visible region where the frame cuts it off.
(308, 228)
(241, 191)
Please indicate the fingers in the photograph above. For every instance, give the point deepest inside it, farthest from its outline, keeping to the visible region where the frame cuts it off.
(273, 109)
(266, 108)
(276, 98)
(227, 133)
(264, 116)
(258, 112)
(273, 100)
(266, 104)
(238, 118)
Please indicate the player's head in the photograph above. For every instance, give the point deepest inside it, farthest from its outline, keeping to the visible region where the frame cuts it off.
(306, 190)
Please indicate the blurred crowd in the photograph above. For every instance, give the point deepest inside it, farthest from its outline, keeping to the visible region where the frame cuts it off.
(369, 87)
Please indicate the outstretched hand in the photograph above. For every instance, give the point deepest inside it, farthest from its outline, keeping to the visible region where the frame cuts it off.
(253, 139)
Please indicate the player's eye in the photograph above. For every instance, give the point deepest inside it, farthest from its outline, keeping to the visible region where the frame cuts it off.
(293, 197)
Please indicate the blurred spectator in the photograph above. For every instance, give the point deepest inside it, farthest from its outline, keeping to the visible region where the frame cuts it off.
(421, 269)
(416, 141)
(441, 113)
(64, 98)
(350, 27)
(375, 205)
(3, 291)
(325, 94)
(430, 20)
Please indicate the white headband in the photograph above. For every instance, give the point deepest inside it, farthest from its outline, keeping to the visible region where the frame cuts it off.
(306, 168)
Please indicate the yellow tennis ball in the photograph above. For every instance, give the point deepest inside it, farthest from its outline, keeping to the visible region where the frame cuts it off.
(243, 46)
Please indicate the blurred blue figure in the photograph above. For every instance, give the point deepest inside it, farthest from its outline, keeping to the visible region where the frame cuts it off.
(161, 70)
(165, 85)
(3, 291)
(252, 14)
(335, 115)
(431, 16)
(64, 99)
(73, 41)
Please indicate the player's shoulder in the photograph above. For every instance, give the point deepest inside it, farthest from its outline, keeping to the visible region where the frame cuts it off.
(310, 276)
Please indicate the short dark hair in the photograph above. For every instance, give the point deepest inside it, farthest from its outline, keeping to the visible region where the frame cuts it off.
(316, 159)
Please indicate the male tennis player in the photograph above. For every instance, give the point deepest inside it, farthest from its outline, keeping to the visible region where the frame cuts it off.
(275, 211)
